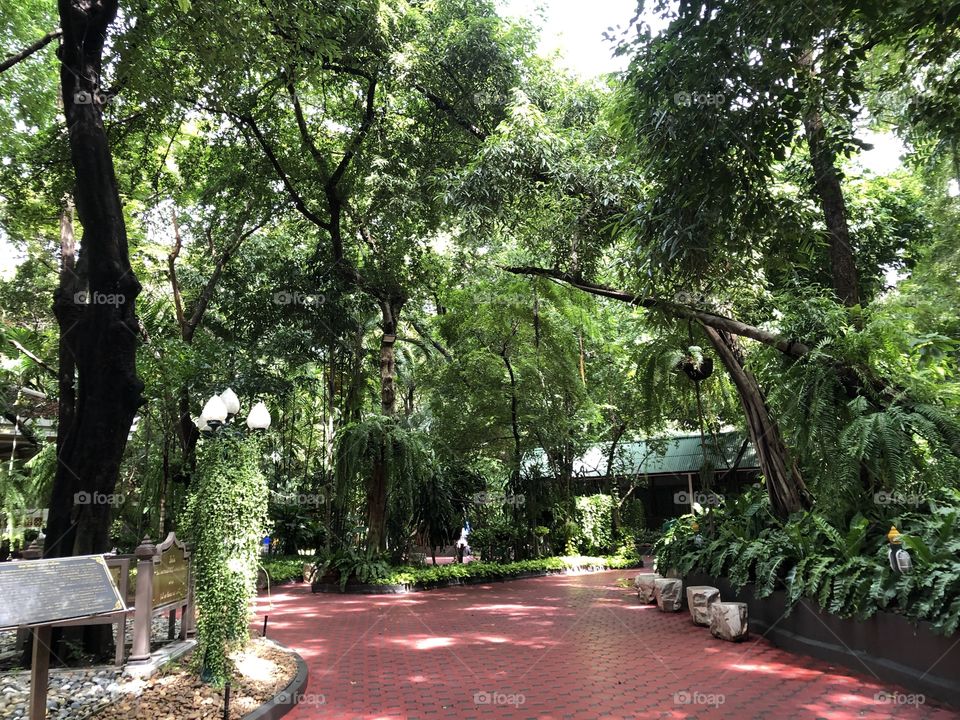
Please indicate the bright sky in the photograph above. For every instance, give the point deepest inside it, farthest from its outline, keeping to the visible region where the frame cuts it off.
(576, 29)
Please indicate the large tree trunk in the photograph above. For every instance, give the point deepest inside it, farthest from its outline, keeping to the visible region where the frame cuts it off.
(618, 429)
(515, 482)
(103, 337)
(786, 488)
(377, 486)
(826, 185)
(68, 313)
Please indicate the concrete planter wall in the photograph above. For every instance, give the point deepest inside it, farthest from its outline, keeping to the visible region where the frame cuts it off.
(888, 645)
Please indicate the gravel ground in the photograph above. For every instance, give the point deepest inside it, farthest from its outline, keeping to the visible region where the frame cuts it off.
(74, 692)
(263, 670)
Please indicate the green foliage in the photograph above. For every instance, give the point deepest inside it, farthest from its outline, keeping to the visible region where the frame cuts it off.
(594, 516)
(494, 541)
(408, 575)
(866, 408)
(409, 464)
(225, 520)
(348, 563)
(282, 570)
(844, 569)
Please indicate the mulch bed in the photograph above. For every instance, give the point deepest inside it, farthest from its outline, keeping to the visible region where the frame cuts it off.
(263, 669)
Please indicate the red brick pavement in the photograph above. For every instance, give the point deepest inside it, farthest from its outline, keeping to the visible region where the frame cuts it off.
(575, 646)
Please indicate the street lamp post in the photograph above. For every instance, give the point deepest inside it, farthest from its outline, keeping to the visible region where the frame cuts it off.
(220, 409)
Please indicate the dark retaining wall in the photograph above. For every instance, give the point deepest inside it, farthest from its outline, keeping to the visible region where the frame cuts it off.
(887, 645)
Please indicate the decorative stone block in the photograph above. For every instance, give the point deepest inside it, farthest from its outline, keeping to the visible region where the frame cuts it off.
(728, 621)
(699, 600)
(668, 593)
(645, 587)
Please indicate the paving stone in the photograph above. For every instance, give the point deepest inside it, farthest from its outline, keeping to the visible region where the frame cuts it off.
(577, 647)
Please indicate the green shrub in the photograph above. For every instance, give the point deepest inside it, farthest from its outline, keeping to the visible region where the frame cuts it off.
(494, 541)
(350, 563)
(284, 569)
(478, 570)
(595, 517)
(845, 570)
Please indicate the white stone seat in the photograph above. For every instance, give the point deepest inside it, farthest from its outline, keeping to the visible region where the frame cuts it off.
(645, 587)
(669, 594)
(728, 621)
(699, 600)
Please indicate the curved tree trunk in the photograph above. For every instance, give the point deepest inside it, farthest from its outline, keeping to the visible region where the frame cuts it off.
(786, 488)
(103, 336)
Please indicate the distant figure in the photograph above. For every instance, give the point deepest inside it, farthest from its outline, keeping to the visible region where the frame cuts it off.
(463, 547)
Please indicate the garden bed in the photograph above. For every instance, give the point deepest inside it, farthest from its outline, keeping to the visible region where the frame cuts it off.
(267, 683)
(887, 645)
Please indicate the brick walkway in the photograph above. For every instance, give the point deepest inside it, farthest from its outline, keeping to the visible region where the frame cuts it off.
(555, 647)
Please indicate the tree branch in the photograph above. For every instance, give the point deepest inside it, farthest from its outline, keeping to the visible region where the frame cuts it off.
(30, 50)
(33, 357)
(447, 109)
(315, 153)
(172, 270)
(425, 334)
(17, 422)
(298, 202)
(357, 140)
(719, 322)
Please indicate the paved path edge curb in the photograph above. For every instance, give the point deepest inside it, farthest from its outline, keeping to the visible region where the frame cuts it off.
(287, 699)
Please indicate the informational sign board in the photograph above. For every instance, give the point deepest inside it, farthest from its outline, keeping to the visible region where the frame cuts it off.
(170, 573)
(47, 591)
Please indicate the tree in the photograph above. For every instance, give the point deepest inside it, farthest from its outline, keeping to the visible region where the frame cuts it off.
(102, 333)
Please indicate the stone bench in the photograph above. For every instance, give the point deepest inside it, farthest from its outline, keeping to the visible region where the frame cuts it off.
(699, 600)
(668, 593)
(728, 621)
(645, 587)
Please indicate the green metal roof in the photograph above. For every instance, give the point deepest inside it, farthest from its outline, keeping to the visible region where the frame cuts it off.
(673, 455)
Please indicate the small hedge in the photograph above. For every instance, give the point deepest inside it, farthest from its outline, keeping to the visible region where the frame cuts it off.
(284, 568)
(410, 575)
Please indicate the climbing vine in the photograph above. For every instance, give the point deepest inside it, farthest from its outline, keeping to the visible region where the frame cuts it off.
(226, 516)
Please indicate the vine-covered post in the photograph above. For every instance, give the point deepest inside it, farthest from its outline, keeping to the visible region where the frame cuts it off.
(226, 517)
